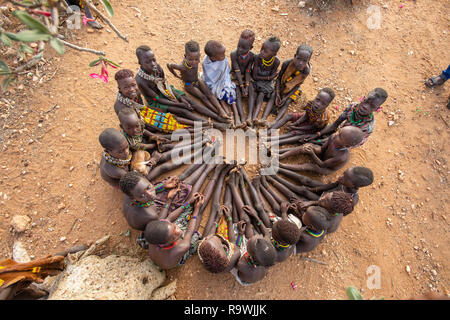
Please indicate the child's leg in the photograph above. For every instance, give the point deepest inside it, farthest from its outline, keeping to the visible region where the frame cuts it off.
(259, 102)
(240, 109)
(212, 98)
(251, 103)
(205, 111)
(269, 106)
(310, 167)
(184, 113)
(196, 92)
(295, 151)
(225, 107)
(281, 122)
(237, 119)
(283, 110)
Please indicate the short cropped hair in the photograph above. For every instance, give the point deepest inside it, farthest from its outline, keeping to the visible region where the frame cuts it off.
(381, 93)
(191, 46)
(126, 112)
(263, 252)
(285, 231)
(123, 74)
(128, 181)
(341, 202)
(211, 260)
(275, 43)
(248, 35)
(142, 49)
(156, 232)
(111, 138)
(305, 47)
(212, 47)
(353, 135)
(362, 177)
(329, 91)
(319, 217)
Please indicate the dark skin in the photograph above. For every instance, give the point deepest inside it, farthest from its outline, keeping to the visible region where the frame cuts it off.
(344, 183)
(181, 107)
(256, 199)
(169, 258)
(138, 217)
(131, 125)
(241, 64)
(307, 242)
(216, 207)
(255, 273)
(299, 178)
(301, 61)
(266, 53)
(111, 173)
(266, 195)
(328, 158)
(282, 255)
(299, 190)
(197, 88)
(129, 89)
(319, 104)
(369, 104)
(168, 166)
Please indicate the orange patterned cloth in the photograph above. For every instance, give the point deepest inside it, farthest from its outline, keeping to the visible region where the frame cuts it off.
(164, 121)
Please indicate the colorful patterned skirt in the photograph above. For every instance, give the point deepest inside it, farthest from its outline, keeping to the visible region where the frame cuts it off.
(161, 120)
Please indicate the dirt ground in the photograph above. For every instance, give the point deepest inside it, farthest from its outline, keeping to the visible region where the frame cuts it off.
(50, 150)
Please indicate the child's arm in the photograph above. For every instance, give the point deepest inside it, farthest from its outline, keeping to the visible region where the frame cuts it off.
(275, 66)
(324, 187)
(235, 68)
(172, 67)
(164, 212)
(198, 201)
(148, 92)
(227, 212)
(252, 212)
(256, 67)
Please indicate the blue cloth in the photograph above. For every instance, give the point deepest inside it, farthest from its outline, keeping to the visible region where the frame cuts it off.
(446, 73)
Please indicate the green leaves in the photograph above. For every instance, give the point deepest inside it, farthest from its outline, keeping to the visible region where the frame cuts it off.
(4, 69)
(7, 82)
(5, 39)
(30, 22)
(95, 62)
(29, 36)
(57, 45)
(108, 7)
(353, 294)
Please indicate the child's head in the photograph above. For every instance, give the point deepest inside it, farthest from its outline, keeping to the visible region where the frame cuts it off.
(162, 232)
(262, 251)
(356, 177)
(137, 187)
(129, 122)
(372, 102)
(248, 35)
(337, 202)
(245, 43)
(126, 83)
(317, 218)
(285, 232)
(114, 143)
(146, 58)
(323, 99)
(270, 48)
(302, 56)
(348, 137)
(215, 253)
(192, 53)
(215, 50)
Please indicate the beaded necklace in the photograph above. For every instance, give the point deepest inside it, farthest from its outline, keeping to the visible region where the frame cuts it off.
(250, 261)
(365, 119)
(315, 234)
(245, 56)
(292, 77)
(134, 141)
(128, 102)
(278, 246)
(167, 247)
(186, 64)
(141, 73)
(268, 63)
(116, 162)
(136, 203)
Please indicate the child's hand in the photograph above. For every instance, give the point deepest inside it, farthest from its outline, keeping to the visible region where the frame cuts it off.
(241, 226)
(308, 148)
(172, 182)
(172, 193)
(198, 198)
(250, 211)
(285, 206)
(225, 211)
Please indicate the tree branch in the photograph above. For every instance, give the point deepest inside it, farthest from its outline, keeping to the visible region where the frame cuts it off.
(73, 46)
(104, 18)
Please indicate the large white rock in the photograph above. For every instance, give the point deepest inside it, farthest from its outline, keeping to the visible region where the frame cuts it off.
(112, 278)
(20, 223)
